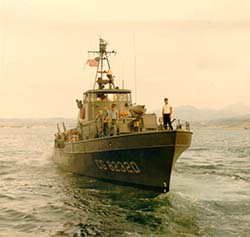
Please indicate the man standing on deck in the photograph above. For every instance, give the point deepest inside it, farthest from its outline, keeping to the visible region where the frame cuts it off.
(166, 114)
(114, 118)
(106, 119)
(99, 124)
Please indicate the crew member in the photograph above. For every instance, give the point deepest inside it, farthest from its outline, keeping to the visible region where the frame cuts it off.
(99, 123)
(106, 119)
(114, 118)
(166, 114)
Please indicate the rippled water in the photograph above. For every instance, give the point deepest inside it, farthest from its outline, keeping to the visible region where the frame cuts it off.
(210, 192)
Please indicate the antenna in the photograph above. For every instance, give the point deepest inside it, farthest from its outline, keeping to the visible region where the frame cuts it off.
(123, 76)
(103, 65)
(135, 67)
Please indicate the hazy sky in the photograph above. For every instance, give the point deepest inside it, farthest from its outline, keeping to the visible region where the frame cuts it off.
(194, 52)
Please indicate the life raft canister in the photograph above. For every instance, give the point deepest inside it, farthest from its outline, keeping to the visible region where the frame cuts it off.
(123, 113)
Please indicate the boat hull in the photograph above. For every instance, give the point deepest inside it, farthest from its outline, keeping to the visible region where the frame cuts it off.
(143, 159)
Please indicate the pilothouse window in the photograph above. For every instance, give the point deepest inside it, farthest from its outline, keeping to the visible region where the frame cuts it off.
(93, 97)
(123, 97)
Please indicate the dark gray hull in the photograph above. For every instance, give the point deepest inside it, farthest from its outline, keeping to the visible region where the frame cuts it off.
(143, 159)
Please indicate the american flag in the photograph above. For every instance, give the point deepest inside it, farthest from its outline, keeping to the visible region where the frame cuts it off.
(93, 62)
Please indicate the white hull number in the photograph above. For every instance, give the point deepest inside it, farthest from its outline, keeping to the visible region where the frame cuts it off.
(118, 166)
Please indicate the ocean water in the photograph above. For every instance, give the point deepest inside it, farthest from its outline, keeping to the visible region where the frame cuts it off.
(209, 196)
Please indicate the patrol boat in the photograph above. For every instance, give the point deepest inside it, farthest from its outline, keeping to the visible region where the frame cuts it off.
(134, 150)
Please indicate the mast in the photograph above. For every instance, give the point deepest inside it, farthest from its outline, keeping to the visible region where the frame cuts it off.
(104, 74)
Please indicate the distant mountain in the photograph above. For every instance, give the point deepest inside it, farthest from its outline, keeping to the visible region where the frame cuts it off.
(191, 113)
(234, 115)
(237, 122)
(238, 109)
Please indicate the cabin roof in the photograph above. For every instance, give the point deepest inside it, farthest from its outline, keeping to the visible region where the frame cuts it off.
(111, 91)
